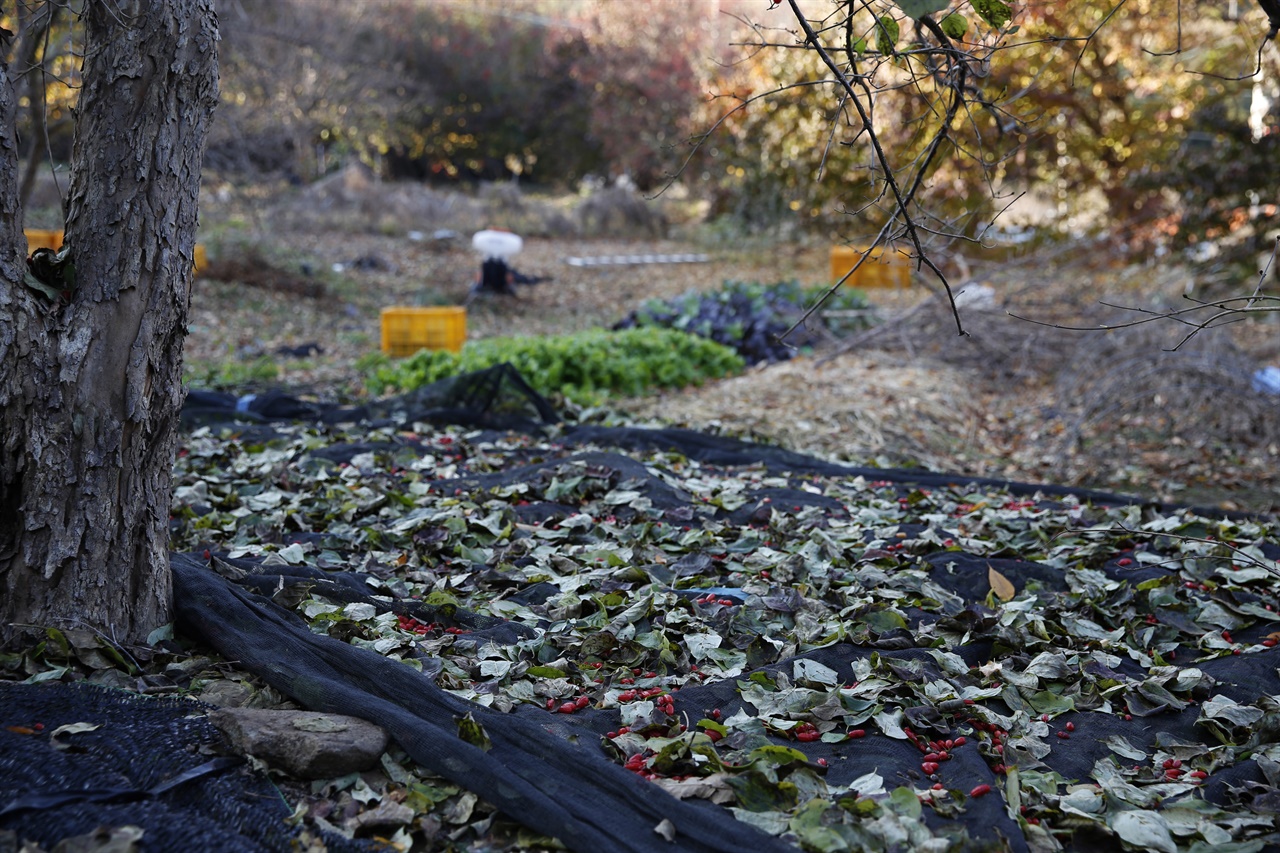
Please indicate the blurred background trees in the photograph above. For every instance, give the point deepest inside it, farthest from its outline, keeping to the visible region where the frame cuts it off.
(1145, 115)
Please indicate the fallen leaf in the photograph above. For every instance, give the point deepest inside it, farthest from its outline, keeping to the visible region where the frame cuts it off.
(70, 729)
(1000, 584)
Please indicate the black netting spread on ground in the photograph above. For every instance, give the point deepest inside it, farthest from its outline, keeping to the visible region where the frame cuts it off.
(495, 398)
(553, 772)
(541, 770)
(155, 764)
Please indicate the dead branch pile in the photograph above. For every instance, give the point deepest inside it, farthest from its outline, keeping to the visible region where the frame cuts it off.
(1201, 393)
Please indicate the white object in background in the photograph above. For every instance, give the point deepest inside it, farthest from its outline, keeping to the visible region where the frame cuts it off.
(626, 260)
(977, 297)
(497, 244)
(1267, 380)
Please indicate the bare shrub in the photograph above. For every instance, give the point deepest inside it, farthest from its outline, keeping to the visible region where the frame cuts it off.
(620, 211)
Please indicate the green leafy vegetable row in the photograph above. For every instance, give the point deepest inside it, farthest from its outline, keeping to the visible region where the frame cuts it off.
(582, 366)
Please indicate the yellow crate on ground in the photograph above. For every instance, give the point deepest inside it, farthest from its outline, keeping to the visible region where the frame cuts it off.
(884, 268)
(407, 330)
(38, 239)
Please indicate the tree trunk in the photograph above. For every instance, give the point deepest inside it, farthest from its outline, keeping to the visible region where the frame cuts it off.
(91, 386)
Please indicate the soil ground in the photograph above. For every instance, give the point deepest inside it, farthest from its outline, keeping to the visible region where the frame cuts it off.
(1013, 399)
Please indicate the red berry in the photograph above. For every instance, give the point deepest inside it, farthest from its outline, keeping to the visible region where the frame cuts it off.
(980, 791)
(857, 733)
(937, 786)
(960, 741)
(582, 702)
(929, 767)
(1124, 561)
(1071, 727)
(714, 735)
(932, 756)
(568, 707)
(1064, 735)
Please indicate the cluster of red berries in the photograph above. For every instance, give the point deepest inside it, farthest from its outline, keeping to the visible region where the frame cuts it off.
(569, 706)
(934, 751)
(413, 626)
(807, 733)
(710, 598)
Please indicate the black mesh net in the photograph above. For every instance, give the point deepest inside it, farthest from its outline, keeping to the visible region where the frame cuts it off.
(971, 720)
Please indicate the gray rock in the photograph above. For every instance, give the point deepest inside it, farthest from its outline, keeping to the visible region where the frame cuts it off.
(305, 744)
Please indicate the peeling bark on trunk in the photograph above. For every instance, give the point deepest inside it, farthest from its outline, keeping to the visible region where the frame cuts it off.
(90, 390)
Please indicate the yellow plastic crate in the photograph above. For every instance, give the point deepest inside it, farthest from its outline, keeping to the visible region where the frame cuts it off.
(43, 240)
(407, 330)
(885, 268)
(38, 239)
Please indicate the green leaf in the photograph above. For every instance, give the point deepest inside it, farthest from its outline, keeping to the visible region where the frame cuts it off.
(53, 294)
(470, 730)
(544, 673)
(883, 621)
(955, 26)
(994, 12)
(886, 34)
(904, 801)
(758, 793)
(919, 8)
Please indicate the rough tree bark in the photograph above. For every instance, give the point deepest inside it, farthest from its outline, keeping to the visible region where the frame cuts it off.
(90, 387)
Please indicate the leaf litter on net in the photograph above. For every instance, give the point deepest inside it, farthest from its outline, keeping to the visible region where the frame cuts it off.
(671, 604)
